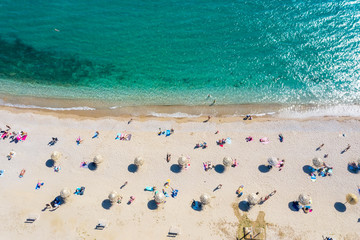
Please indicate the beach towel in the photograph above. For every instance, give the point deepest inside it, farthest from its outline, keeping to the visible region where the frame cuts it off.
(128, 137)
(313, 177)
(151, 189)
(196, 205)
(118, 136)
(228, 140)
(264, 140)
(4, 135)
(18, 137)
(22, 173)
(84, 164)
(2, 172)
(24, 137)
(38, 185)
(166, 194)
(174, 193)
(167, 133)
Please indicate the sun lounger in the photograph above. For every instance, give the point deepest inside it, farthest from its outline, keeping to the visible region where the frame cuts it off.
(32, 218)
(174, 231)
(101, 224)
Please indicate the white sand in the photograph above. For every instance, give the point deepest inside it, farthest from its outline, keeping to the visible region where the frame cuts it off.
(78, 218)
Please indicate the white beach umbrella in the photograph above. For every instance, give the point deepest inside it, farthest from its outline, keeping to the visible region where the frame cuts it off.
(159, 197)
(65, 193)
(253, 199)
(139, 161)
(273, 161)
(227, 161)
(113, 196)
(204, 199)
(304, 199)
(55, 156)
(351, 199)
(318, 162)
(183, 161)
(98, 159)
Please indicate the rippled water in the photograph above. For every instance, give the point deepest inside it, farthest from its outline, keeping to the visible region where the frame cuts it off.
(177, 52)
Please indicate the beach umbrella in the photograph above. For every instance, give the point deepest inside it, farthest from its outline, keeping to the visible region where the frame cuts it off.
(183, 161)
(204, 199)
(273, 161)
(159, 197)
(304, 199)
(139, 161)
(65, 193)
(318, 162)
(113, 196)
(55, 156)
(98, 159)
(253, 199)
(351, 198)
(227, 161)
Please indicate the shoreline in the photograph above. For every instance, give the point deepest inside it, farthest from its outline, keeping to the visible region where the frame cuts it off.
(100, 109)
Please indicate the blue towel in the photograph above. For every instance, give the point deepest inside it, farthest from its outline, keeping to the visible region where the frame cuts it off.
(167, 133)
(174, 193)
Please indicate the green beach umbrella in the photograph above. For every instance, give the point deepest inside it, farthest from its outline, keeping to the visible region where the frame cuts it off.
(139, 161)
(273, 161)
(318, 162)
(304, 199)
(253, 199)
(183, 161)
(98, 159)
(113, 196)
(65, 193)
(55, 156)
(159, 197)
(204, 199)
(227, 161)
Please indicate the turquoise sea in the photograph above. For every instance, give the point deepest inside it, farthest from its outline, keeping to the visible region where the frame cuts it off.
(137, 52)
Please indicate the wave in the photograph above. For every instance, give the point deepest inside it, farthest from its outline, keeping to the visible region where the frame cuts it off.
(174, 115)
(320, 111)
(83, 108)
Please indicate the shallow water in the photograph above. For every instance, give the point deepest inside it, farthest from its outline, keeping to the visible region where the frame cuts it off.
(127, 53)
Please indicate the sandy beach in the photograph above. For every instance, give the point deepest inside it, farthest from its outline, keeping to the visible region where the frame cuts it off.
(223, 218)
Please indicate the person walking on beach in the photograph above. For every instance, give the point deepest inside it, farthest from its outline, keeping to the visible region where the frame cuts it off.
(125, 183)
(319, 148)
(218, 187)
(347, 148)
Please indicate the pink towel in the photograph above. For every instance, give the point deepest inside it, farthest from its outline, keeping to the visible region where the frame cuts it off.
(18, 137)
(24, 137)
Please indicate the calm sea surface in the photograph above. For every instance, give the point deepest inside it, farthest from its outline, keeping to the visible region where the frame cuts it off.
(138, 52)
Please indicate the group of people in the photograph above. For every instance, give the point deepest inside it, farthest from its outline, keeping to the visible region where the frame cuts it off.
(208, 165)
(201, 145)
(13, 136)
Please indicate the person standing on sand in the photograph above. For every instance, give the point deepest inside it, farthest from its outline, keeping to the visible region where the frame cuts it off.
(218, 187)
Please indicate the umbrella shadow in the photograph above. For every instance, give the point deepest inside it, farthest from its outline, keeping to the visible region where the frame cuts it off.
(292, 207)
(244, 206)
(352, 169)
(152, 205)
(263, 168)
(340, 207)
(307, 169)
(132, 168)
(220, 168)
(92, 166)
(175, 168)
(50, 163)
(106, 204)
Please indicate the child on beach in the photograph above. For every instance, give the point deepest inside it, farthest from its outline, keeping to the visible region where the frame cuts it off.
(240, 190)
(79, 140)
(96, 134)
